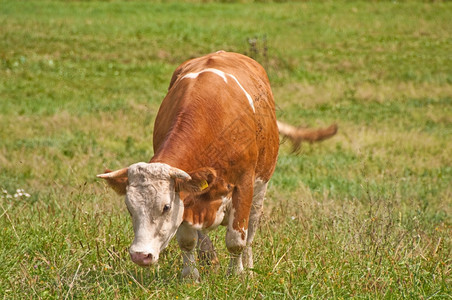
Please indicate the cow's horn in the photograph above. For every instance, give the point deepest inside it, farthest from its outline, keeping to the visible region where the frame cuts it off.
(178, 173)
(114, 174)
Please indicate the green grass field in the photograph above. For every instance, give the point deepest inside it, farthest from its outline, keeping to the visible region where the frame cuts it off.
(367, 214)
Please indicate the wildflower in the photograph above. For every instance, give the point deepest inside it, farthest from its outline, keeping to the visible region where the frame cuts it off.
(5, 194)
(21, 193)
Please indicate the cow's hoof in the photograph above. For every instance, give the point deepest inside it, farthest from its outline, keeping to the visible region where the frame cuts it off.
(235, 269)
(190, 274)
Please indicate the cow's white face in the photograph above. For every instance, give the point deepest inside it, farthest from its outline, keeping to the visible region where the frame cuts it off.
(155, 207)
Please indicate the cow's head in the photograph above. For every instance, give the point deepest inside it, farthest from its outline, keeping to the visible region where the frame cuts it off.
(152, 193)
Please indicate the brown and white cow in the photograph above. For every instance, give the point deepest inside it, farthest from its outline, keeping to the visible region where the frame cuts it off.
(216, 144)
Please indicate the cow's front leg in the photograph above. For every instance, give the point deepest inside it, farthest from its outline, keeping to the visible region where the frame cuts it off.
(235, 247)
(187, 238)
(236, 233)
(260, 188)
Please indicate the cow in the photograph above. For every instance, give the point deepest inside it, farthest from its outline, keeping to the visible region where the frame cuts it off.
(215, 146)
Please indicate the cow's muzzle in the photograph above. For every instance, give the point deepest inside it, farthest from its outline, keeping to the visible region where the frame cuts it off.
(142, 258)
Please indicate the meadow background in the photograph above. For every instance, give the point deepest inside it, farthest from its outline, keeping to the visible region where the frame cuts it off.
(366, 214)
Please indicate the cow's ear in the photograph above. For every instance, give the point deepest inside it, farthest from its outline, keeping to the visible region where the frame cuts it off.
(117, 180)
(200, 182)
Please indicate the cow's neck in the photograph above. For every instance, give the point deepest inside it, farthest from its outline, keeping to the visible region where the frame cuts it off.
(183, 145)
(178, 154)
(173, 157)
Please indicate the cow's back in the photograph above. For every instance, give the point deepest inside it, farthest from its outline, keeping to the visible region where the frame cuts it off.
(219, 112)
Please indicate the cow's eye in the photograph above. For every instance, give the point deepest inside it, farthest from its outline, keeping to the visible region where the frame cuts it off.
(166, 208)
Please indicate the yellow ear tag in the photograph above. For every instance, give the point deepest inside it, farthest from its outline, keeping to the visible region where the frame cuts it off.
(204, 185)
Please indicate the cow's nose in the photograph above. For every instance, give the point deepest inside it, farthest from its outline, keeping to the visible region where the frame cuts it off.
(141, 258)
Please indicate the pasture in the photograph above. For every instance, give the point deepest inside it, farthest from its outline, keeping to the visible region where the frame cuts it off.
(366, 214)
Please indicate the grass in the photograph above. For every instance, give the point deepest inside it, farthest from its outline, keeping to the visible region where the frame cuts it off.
(366, 214)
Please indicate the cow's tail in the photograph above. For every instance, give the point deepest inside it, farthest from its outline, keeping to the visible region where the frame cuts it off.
(298, 135)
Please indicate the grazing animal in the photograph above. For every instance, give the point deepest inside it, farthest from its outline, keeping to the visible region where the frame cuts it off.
(215, 149)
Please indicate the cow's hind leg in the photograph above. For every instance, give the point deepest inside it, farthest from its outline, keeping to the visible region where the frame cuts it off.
(187, 239)
(206, 251)
(260, 188)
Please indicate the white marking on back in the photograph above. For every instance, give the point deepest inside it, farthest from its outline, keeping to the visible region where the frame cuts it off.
(222, 75)
(250, 100)
(218, 72)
